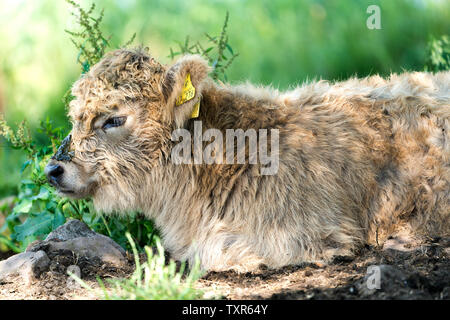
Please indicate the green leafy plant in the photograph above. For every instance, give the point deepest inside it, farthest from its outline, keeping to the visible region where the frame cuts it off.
(90, 40)
(154, 279)
(438, 54)
(37, 210)
(218, 52)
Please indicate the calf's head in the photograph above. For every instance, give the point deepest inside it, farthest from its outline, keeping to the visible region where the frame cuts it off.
(123, 112)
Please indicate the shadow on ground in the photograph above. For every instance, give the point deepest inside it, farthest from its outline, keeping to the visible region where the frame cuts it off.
(407, 271)
(420, 272)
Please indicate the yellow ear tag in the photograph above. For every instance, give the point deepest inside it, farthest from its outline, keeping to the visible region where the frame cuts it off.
(188, 93)
(196, 110)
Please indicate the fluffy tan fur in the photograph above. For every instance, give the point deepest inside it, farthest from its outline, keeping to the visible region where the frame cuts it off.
(359, 160)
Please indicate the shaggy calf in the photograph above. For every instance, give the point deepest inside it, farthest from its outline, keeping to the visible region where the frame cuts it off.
(357, 160)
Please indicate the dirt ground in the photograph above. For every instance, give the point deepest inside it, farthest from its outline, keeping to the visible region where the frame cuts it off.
(411, 271)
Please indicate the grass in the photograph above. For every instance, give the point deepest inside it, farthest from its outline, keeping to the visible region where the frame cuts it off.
(154, 279)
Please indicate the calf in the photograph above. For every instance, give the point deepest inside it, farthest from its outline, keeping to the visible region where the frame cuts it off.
(350, 162)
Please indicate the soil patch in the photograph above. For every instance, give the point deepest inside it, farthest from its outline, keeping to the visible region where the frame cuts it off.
(423, 273)
(420, 272)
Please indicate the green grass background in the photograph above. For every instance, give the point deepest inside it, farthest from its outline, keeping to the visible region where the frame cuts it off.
(281, 43)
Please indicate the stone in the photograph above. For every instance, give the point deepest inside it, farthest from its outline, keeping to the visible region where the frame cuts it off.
(76, 237)
(28, 265)
(75, 229)
(70, 230)
(91, 248)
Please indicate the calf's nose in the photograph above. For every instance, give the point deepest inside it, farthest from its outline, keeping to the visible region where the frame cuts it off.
(54, 173)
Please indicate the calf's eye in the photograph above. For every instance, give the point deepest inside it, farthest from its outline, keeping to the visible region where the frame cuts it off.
(114, 122)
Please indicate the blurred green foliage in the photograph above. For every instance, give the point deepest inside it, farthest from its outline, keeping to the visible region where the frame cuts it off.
(280, 42)
(438, 54)
(90, 41)
(219, 53)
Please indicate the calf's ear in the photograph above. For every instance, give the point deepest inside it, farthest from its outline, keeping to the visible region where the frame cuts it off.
(182, 86)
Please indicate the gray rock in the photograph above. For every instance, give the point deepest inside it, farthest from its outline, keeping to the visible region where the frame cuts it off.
(28, 265)
(76, 229)
(70, 230)
(92, 248)
(76, 236)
